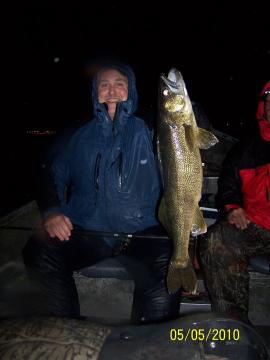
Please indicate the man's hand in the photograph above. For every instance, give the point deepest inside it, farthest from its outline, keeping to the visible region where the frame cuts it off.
(238, 218)
(58, 225)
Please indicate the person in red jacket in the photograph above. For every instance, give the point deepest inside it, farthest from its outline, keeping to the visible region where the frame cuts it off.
(243, 230)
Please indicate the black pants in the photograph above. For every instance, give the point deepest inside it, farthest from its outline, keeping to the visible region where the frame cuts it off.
(225, 256)
(51, 262)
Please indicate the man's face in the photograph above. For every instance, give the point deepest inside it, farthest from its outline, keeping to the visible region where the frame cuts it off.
(112, 87)
(267, 108)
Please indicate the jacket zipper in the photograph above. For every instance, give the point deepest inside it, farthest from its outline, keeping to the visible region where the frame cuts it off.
(96, 171)
(120, 169)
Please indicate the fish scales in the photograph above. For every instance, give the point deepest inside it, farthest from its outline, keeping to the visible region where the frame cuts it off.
(179, 140)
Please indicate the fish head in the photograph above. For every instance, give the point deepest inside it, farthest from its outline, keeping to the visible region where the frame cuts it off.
(174, 102)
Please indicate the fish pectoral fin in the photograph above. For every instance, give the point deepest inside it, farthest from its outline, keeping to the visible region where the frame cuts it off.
(181, 278)
(206, 139)
(198, 224)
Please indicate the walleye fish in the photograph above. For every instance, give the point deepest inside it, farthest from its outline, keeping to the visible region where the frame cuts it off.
(178, 142)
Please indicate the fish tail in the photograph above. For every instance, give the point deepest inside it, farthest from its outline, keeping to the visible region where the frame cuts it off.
(181, 278)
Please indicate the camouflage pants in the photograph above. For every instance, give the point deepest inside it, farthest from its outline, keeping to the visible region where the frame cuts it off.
(225, 255)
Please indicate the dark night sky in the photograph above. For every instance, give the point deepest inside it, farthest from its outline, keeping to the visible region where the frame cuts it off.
(48, 50)
(223, 54)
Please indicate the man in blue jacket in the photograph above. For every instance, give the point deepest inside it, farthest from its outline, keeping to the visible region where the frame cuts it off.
(104, 180)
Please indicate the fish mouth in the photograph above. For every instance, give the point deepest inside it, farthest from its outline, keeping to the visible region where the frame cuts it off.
(173, 80)
(171, 84)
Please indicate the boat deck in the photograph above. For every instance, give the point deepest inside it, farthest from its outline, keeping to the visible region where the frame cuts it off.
(109, 301)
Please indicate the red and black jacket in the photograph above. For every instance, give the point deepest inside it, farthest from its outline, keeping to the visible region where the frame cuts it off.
(245, 177)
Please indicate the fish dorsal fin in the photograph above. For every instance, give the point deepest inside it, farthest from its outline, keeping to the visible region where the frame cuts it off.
(206, 139)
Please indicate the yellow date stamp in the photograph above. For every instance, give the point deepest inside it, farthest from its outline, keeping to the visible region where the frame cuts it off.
(199, 334)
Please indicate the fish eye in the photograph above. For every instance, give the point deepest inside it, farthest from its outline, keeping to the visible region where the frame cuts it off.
(165, 92)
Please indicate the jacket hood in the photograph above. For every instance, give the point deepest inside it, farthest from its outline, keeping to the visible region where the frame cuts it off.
(131, 103)
(263, 123)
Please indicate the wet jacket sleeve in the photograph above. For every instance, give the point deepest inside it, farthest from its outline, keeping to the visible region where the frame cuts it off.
(53, 184)
(229, 184)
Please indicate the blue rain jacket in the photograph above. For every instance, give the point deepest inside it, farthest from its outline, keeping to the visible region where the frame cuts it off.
(107, 177)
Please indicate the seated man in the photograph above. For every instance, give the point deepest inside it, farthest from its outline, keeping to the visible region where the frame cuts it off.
(106, 180)
(244, 230)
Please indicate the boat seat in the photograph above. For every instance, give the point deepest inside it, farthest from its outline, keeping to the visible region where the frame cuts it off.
(112, 268)
(106, 289)
(108, 268)
(260, 264)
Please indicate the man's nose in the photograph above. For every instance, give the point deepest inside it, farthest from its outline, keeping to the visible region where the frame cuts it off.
(111, 89)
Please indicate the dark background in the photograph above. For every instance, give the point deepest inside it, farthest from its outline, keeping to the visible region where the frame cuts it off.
(222, 50)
